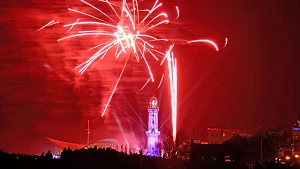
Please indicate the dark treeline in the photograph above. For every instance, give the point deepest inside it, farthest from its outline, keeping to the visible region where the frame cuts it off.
(91, 158)
(272, 143)
(94, 158)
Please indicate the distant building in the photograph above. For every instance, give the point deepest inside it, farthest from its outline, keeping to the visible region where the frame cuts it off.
(296, 137)
(208, 155)
(200, 142)
(104, 143)
(218, 136)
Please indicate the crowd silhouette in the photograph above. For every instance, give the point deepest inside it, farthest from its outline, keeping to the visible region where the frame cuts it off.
(95, 158)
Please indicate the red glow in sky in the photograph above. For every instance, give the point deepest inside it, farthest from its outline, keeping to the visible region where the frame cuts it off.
(253, 81)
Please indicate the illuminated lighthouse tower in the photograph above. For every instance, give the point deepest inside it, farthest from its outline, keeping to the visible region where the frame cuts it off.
(153, 132)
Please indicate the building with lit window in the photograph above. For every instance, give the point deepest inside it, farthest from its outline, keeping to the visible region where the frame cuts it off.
(296, 137)
(218, 136)
(208, 155)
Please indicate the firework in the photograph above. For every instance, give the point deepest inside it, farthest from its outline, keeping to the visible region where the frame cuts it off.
(127, 32)
(172, 71)
(173, 89)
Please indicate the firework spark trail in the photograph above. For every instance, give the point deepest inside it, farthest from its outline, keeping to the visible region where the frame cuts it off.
(162, 77)
(129, 32)
(172, 70)
(72, 26)
(48, 24)
(174, 86)
(113, 91)
(206, 41)
(145, 84)
(177, 9)
(226, 41)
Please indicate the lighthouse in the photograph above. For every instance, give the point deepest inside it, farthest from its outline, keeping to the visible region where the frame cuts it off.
(153, 133)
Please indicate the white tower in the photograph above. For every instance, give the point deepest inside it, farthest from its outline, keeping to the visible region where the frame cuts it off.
(153, 132)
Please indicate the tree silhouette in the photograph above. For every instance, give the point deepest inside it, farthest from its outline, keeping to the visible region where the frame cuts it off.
(274, 141)
(168, 144)
(171, 148)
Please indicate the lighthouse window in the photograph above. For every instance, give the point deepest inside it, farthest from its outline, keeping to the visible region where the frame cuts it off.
(152, 122)
(152, 115)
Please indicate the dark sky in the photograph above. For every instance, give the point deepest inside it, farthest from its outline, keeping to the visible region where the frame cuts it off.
(252, 81)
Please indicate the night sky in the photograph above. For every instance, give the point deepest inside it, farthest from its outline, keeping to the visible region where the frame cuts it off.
(252, 81)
